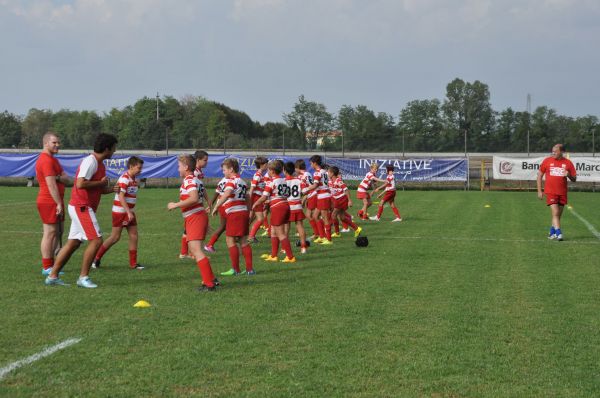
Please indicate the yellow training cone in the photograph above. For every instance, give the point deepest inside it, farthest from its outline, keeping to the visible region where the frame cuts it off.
(142, 304)
(569, 207)
(487, 206)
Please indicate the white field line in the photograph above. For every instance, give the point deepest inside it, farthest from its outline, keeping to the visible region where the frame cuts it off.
(35, 357)
(586, 223)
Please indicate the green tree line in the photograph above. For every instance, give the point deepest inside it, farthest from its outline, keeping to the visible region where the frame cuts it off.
(430, 125)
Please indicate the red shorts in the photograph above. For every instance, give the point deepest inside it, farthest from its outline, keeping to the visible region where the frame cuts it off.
(48, 214)
(280, 214)
(84, 225)
(260, 207)
(341, 203)
(195, 226)
(311, 203)
(363, 195)
(552, 199)
(121, 220)
(237, 224)
(388, 197)
(222, 212)
(324, 204)
(296, 215)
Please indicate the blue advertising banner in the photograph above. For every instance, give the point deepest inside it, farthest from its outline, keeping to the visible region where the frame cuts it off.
(409, 170)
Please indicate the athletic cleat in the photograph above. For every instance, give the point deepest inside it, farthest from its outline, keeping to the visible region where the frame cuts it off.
(336, 235)
(216, 282)
(209, 249)
(46, 272)
(272, 259)
(54, 282)
(231, 272)
(559, 237)
(344, 230)
(265, 233)
(184, 256)
(326, 242)
(251, 272)
(86, 282)
(96, 263)
(357, 232)
(552, 236)
(263, 256)
(303, 250)
(204, 289)
(289, 260)
(374, 218)
(138, 267)
(318, 240)
(312, 237)
(397, 219)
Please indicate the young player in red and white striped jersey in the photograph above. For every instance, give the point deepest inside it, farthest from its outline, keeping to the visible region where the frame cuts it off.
(388, 195)
(201, 162)
(363, 190)
(210, 246)
(321, 215)
(341, 199)
(277, 192)
(191, 194)
(310, 198)
(297, 189)
(235, 201)
(257, 185)
(123, 214)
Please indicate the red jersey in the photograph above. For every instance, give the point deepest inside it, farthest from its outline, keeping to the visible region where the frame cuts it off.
(297, 188)
(555, 171)
(278, 192)
(390, 184)
(258, 183)
(128, 185)
(338, 188)
(321, 178)
(235, 189)
(91, 170)
(191, 183)
(366, 182)
(48, 166)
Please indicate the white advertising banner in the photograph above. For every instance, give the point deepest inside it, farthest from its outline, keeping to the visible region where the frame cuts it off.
(588, 168)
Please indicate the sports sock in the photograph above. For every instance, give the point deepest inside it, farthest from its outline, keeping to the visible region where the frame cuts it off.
(47, 263)
(285, 245)
(103, 249)
(313, 225)
(558, 231)
(344, 224)
(234, 255)
(274, 246)
(552, 230)
(247, 252)
(266, 223)
(321, 225)
(379, 211)
(396, 212)
(255, 228)
(184, 245)
(206, 272)
(213, 240)
(132, 258)
(336, 225)
(348, 221)
(327, 228)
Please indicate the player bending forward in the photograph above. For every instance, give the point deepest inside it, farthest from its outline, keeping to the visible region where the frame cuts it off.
(341, 200)
(363, 191)
(388, 194)
(123, 214)
(191, 194)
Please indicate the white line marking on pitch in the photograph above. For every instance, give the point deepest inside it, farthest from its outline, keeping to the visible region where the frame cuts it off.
(35, 357)
(485, 239)
(586, 222)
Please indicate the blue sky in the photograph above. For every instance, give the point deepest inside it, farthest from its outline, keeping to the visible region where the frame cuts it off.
(260, 55)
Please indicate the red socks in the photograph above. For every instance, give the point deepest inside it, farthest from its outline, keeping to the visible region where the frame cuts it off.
(255, 228)
(234, 255)
(328, 231)
(336, 225)
(274, 246)
(379, 211)
(132, 258)
(247, 252)
(314, 227)
(396, 212)
(321, 227)
(206, 272)
(184, 245)
(103, 250)
(285, 245)
(348, 221)
(47, 263)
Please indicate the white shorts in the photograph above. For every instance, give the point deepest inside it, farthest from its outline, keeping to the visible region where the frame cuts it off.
(84, 225)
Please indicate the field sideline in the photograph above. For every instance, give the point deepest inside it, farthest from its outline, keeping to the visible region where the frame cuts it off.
(458, 300)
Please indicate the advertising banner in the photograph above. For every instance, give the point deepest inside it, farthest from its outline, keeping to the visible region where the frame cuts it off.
(587, 168)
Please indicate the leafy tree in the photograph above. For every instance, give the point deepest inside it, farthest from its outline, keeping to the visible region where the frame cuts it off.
(308, 118)
(35, 125)
(421, 124)
(217, 129)
(10, 130)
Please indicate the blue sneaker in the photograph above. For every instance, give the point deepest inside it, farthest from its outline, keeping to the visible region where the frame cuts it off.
(46, 272)
(54, 282)
(251, 272)
(86, 282)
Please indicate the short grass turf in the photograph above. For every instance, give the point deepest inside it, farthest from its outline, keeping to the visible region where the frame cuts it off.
(458, 300)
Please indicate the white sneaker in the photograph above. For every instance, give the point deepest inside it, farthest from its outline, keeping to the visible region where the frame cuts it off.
(344, 230)
(374, 218)
(397, 219)
(559, 237)
(552, 237)
(303, 250)
(86, 282)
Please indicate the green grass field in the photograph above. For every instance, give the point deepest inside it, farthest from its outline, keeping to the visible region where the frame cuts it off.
(458, 300)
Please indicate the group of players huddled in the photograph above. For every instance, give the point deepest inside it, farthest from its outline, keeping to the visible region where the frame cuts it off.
(279, 194)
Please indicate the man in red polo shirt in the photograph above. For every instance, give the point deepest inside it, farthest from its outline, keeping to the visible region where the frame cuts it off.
(90, 184)
(556, 170)
(52, 179)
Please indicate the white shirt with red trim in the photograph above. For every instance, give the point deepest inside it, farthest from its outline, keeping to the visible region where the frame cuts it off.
(278, 192)
(338, 188)
(258, 183)
(191, 183)
(366, 182)
(307, 181)
(297, 187)
(390, 184)
(128, 185)
(321, 178)
(235, 188)
(221, 185)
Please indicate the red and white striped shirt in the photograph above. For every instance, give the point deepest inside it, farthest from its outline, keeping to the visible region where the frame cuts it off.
(338, 188)
(366, 182)
(277, 190)
(199, 174)
(221, 185)
(390, 182)
(258, 183)
(235, 188)
(191, 183)
(321, 178)
(297, 188)
(128, 185)
(307, 179)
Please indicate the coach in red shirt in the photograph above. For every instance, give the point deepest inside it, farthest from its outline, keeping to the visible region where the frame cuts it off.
(52, 179)
(556, 170)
